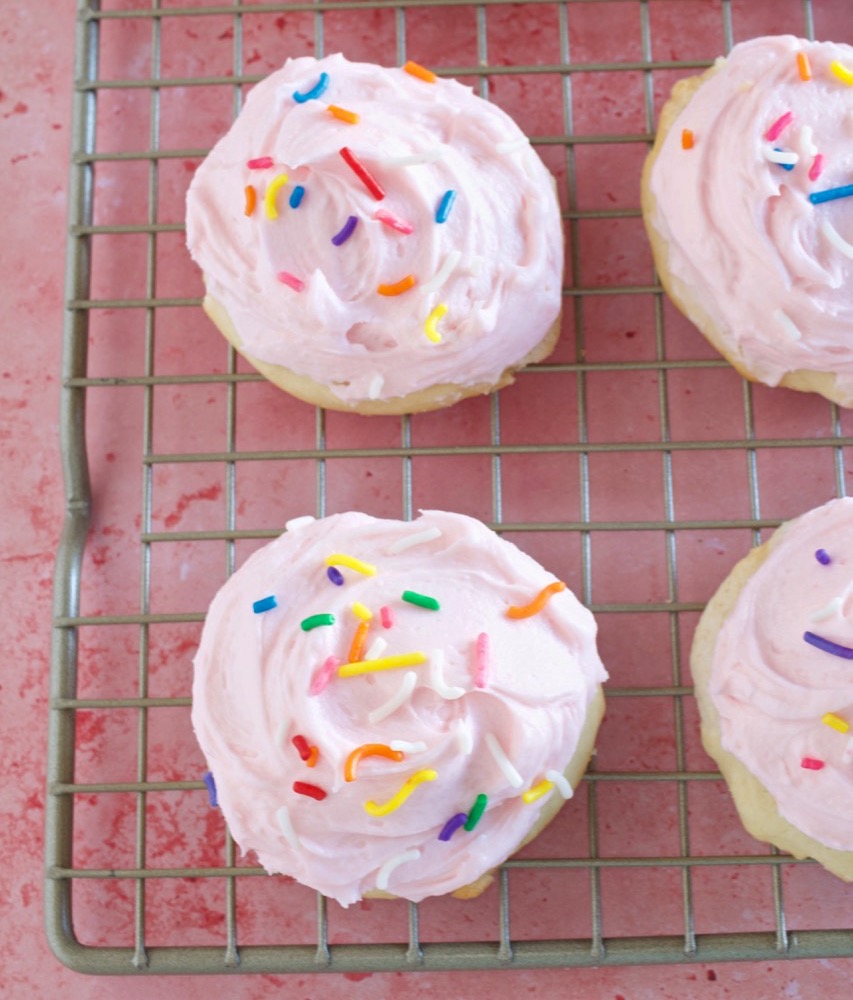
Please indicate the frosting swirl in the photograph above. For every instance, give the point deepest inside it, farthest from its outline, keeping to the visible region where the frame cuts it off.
(769, 269)
(772, 688)
(486, 259)
(495, 707)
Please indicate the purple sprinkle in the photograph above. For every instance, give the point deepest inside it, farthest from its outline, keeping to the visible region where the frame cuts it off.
(452, 825)
(346, 231)
(828, 646)
(211, 789)
(336, 576)
(822, 557)
(264, 604)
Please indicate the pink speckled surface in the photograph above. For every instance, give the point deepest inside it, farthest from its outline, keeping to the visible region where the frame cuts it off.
(625, 485)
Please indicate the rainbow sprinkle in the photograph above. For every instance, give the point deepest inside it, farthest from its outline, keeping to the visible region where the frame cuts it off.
(429, 326)
(312, 791)
(303, 748)
(362, 611)
(403, 285)
(264, 604)
(260, 163)
(779, 126)
(537, 791)
(477, 811)
(823, 557)
(341, 559)
(399, 698)
(317, 90)
(362, 173)
(392, 222)
(445, 205)
(845, 652)
(386, 616)
(421, 600)
(452, 825)
(315, 621)
(211, 789)
(346, 231)
(324, 675)
(368, 750)
(269, 198)
(835, 722)
(296, 196)
(282, 817)
(812, 764)
(804, 66)
(420, 72)
(841, 72)
(407, 541)
(350, 117)
(687, 139)
(816, 169)
(436, 677)
(503, 762)
(836, 239)
(384, 663)
(384, 873)
(251, 200)
(286, 278)
(336, 576)
(356, 650)
(538, 602)
(394, 803)
(831, 194)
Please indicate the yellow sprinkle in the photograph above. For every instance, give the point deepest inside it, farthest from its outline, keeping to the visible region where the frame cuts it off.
(433, 318)
(382, 663)
(269, 197)
(842, 72)
(361, 611)
(537, 791)
(836, 722)
(340, 559)
(427, 774)
(351, 117)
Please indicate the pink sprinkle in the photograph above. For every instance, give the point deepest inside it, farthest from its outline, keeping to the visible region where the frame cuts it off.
(812, 764)
(286, 278)
(324, 675)
(816, 168)
(393, 222)
(386, 616)
(260, 163)
(481, 671)
(779, 126)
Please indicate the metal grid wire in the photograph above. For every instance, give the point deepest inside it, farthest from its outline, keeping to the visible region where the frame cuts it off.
(413, 952)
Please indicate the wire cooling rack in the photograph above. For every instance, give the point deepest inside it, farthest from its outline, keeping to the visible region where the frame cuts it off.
(635, 463)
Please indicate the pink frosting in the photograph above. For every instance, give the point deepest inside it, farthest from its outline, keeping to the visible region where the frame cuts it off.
(742, 234)
(772, 688)
(502, 235)
(527, 686)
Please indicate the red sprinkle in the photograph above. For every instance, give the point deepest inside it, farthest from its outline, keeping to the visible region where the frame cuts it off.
(362, 173)
(816, 168)
(260, 163)
(302, 747)
(312, 791)
(386, 616)
(812, 764)
(779, 126)
(286, 278)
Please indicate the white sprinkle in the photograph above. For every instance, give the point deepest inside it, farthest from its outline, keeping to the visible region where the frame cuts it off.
(375, 387)
(464, 738)
(787, 324)
(376, 648)
(443, 273)
(415, 159)
(436, 677)
(404, 692)
(404, 746)
(806, 142)
(385, 871)
(295, 523)
(475, 266)
(564, 786)
(503, 762)
(409, 540)
(780, 156)
(283, 819)
(836, 239)
(828, 611)
(512, 146)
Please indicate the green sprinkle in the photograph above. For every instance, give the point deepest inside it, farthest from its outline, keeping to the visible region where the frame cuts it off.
(477, 811)
(316, 620)
(422, 601)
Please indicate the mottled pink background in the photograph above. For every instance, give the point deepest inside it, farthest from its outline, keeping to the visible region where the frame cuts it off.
(626, 485)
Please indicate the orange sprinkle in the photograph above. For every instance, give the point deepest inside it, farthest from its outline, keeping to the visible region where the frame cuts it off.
(687, 141)
(369, 750)
(251, 199)
(345, 116)
(356, 650)
(420, 72)
(538, 602)
(313, 755)
(804, 66)
(403, 285)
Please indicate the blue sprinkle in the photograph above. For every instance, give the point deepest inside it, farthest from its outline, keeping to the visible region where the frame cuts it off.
(336, 576)
(296, 196)
(317, 90)
(211, 789)
(823, 557)
(264, 604)
(445, 205)
(831, 194)
(784, 166)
